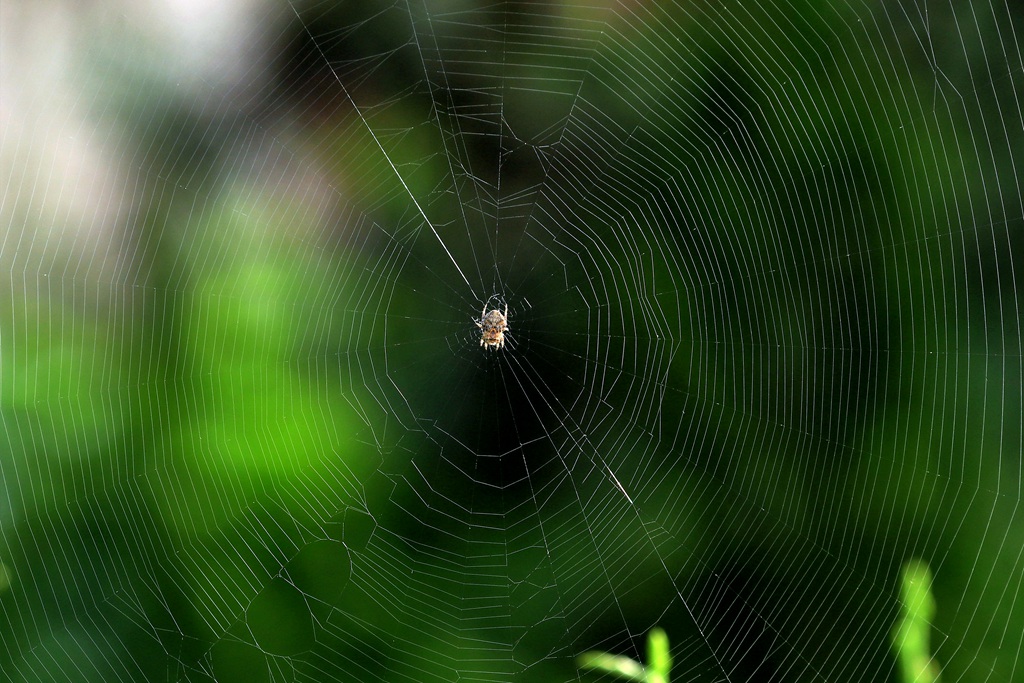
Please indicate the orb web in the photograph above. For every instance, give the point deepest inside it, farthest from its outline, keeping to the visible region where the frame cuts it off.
(760, 265)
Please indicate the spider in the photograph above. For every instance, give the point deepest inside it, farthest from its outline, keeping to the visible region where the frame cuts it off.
(494, 325)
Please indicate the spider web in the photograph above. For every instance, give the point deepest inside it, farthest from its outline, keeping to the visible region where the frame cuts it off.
(761, 268)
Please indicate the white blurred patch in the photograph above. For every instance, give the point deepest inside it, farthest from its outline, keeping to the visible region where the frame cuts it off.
(75, 80)
(60, 187)
(214, 42)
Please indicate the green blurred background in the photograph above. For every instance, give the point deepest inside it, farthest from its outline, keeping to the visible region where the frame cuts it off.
(761, 268)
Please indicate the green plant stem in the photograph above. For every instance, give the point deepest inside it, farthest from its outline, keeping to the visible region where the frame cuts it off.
(910, 637)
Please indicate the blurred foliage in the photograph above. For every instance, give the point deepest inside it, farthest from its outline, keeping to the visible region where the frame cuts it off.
(211, 474)
(659, 661)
